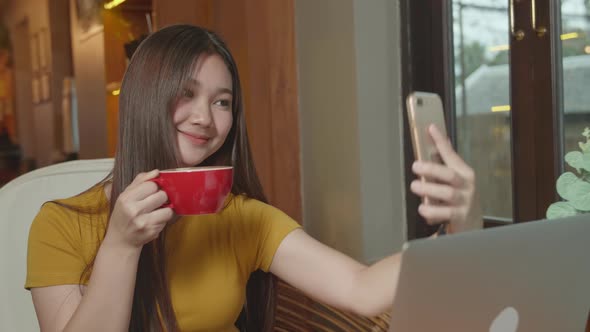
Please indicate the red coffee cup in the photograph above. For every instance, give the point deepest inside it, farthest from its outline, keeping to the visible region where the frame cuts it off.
(196, 190)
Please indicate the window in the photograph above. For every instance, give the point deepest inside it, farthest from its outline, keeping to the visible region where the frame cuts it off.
(514, 78)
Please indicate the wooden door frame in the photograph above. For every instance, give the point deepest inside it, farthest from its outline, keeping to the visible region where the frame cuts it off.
(424, 62)
(535, 120)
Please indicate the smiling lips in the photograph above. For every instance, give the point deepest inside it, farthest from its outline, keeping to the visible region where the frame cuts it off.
(195, 139)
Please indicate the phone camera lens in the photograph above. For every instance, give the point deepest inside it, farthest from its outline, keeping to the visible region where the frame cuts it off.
(419, 101)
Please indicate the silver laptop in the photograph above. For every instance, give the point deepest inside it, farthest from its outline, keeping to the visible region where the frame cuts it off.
(525, 277)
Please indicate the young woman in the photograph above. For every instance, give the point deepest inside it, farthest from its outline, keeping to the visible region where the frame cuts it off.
(110, 259)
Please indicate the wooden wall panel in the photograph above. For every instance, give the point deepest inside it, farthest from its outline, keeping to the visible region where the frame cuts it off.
(167, 12)
(274, 58)
(259, 111)
(230, 23)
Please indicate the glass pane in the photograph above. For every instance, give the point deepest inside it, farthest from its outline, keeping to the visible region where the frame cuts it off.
(482, 98)
(575, 48)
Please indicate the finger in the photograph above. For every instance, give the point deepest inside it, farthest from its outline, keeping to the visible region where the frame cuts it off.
(446, 150)
(435, 214)
(152, 202)
(440, 192)
(141, 191)
(143, 177)
(438, 173)
(159, 217)
(164, 215)
(153, 223)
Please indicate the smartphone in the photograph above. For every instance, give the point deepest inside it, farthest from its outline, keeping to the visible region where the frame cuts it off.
(425, 109)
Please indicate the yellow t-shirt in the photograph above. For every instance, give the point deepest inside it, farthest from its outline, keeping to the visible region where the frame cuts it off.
(210, 257)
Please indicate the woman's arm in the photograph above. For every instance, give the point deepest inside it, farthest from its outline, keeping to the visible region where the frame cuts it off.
(335, 279)
(106, 303)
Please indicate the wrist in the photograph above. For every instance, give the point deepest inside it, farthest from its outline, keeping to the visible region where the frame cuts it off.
(111, 244)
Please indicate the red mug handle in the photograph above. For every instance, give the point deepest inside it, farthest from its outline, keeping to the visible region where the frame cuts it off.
(160, 183)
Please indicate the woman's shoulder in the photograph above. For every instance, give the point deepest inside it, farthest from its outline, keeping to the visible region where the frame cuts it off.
(82, 207)
(254, 210)
(63, 237)
(243, 200)
(93, 197)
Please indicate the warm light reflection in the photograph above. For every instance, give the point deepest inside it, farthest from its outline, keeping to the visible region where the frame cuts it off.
(499, 48)
(571, 35)
(501, 108)
(113, 4)
(587, 49)
(116, 92)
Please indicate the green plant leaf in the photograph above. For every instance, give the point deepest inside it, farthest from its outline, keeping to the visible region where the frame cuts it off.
(585, 147)
(570, 187)
(575, 159)
(586, 161)
(582, 203)
(561, 210)
(578, 160)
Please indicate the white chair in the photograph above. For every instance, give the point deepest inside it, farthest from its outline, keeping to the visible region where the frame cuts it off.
(20, 201)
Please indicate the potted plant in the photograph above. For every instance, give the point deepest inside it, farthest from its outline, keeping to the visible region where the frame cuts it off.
(574, 188)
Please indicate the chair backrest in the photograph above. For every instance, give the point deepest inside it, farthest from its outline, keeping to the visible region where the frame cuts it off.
(297, 312)
(20, 201)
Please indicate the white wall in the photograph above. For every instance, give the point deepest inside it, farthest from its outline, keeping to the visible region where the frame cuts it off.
(379, 111)
(350, 110)
(329, 134)
(89, 69)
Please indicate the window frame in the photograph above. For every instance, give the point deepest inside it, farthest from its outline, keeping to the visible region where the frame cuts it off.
(427, 56)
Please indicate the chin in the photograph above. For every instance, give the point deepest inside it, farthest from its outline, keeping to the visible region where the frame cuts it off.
(192, 162)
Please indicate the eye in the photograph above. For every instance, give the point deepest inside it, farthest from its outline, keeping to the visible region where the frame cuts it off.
(225, 103)
(187, 93)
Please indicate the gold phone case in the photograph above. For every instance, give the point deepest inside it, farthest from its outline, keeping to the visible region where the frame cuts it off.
(425, 109)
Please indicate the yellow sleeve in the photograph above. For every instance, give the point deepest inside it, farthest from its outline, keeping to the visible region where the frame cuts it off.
(265, 229)
(54, 255)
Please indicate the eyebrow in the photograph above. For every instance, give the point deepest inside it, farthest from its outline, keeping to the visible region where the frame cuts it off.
(219, 90)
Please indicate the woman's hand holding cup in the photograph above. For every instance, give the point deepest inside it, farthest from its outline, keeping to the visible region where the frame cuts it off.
(138, 216)
(452, 184)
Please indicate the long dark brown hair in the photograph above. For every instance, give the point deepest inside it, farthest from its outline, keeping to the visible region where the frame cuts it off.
(159, 69)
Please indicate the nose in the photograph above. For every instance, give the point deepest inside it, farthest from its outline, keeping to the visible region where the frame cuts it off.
(201, 115)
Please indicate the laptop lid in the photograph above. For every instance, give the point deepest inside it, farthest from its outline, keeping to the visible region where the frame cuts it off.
(524, 277)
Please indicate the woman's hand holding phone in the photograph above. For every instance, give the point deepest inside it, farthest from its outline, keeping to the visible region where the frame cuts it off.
(451, 184)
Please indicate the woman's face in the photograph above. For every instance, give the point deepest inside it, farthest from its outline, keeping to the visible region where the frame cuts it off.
(203, 114)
